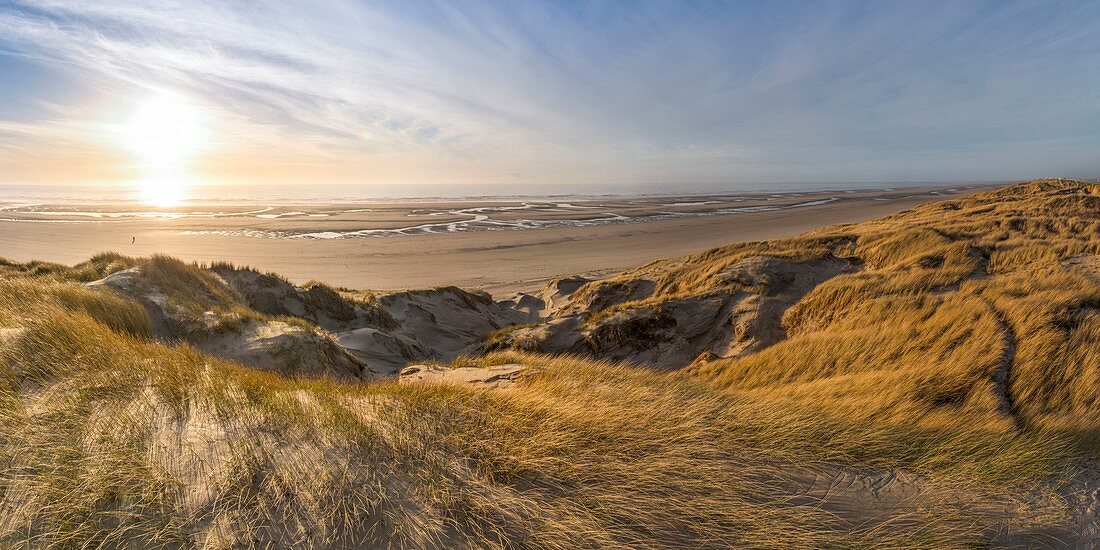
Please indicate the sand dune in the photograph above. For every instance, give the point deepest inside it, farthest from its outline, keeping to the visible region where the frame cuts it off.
(923, 380)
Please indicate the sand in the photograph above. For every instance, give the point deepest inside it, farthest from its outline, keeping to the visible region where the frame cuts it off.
(497, 246)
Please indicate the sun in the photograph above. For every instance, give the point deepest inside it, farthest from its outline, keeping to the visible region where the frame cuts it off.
(163, 132)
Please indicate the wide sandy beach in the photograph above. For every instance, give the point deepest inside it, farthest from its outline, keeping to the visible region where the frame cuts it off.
(499, 246)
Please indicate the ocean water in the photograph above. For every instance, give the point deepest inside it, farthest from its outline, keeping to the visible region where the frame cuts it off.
(346, 193)
(518, 209)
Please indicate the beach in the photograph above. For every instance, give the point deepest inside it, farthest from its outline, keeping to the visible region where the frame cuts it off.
(501, 246)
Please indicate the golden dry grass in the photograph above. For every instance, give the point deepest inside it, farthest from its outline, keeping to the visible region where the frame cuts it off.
(111, 440)
(962, 307)
(965, 353)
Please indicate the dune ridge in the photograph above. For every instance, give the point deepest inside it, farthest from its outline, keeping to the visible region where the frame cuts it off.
(928, 379)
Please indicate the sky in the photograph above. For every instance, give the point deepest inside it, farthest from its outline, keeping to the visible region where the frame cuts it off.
(538, 94)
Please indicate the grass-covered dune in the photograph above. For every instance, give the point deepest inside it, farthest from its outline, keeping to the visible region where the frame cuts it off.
(939, 391)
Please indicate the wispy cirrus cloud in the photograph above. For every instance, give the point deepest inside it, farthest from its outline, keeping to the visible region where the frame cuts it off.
(547, 92)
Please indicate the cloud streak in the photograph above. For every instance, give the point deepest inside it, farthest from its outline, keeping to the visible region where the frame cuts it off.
(587, 92)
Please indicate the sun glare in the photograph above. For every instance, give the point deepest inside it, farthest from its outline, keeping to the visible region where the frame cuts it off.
(163, 132)
(163, 191)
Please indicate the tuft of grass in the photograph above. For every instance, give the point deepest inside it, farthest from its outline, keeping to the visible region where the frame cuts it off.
(961, 357)
(111, 440)
(498, 336)
(964, 307)
(22, 300)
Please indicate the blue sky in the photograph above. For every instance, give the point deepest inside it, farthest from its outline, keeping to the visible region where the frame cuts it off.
(560, 92)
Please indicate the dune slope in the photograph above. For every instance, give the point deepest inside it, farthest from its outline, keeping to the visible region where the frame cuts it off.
(923, 380)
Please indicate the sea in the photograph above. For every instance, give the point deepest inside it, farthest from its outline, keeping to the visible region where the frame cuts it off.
(321, 193)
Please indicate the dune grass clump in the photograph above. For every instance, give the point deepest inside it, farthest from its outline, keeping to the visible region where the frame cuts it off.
(24, 299)
(113, 440)
(965, 307)
(939, 391)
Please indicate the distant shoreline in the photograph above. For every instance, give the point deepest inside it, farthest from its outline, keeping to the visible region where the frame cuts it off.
(514, 248)
(291, 195)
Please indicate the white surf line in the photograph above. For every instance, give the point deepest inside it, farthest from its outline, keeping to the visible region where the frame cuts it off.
(286, 215)
(525, 206)
(813, 203)
(490, 209)
(150, 215)
(487, 223)
(423, 228)
(696, 203)
(31, 220)
(260, 211)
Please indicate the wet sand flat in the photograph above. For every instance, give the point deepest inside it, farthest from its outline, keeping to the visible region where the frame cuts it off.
(499, 246)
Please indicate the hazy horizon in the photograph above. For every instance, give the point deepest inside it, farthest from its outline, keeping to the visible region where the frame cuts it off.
(282, 194)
